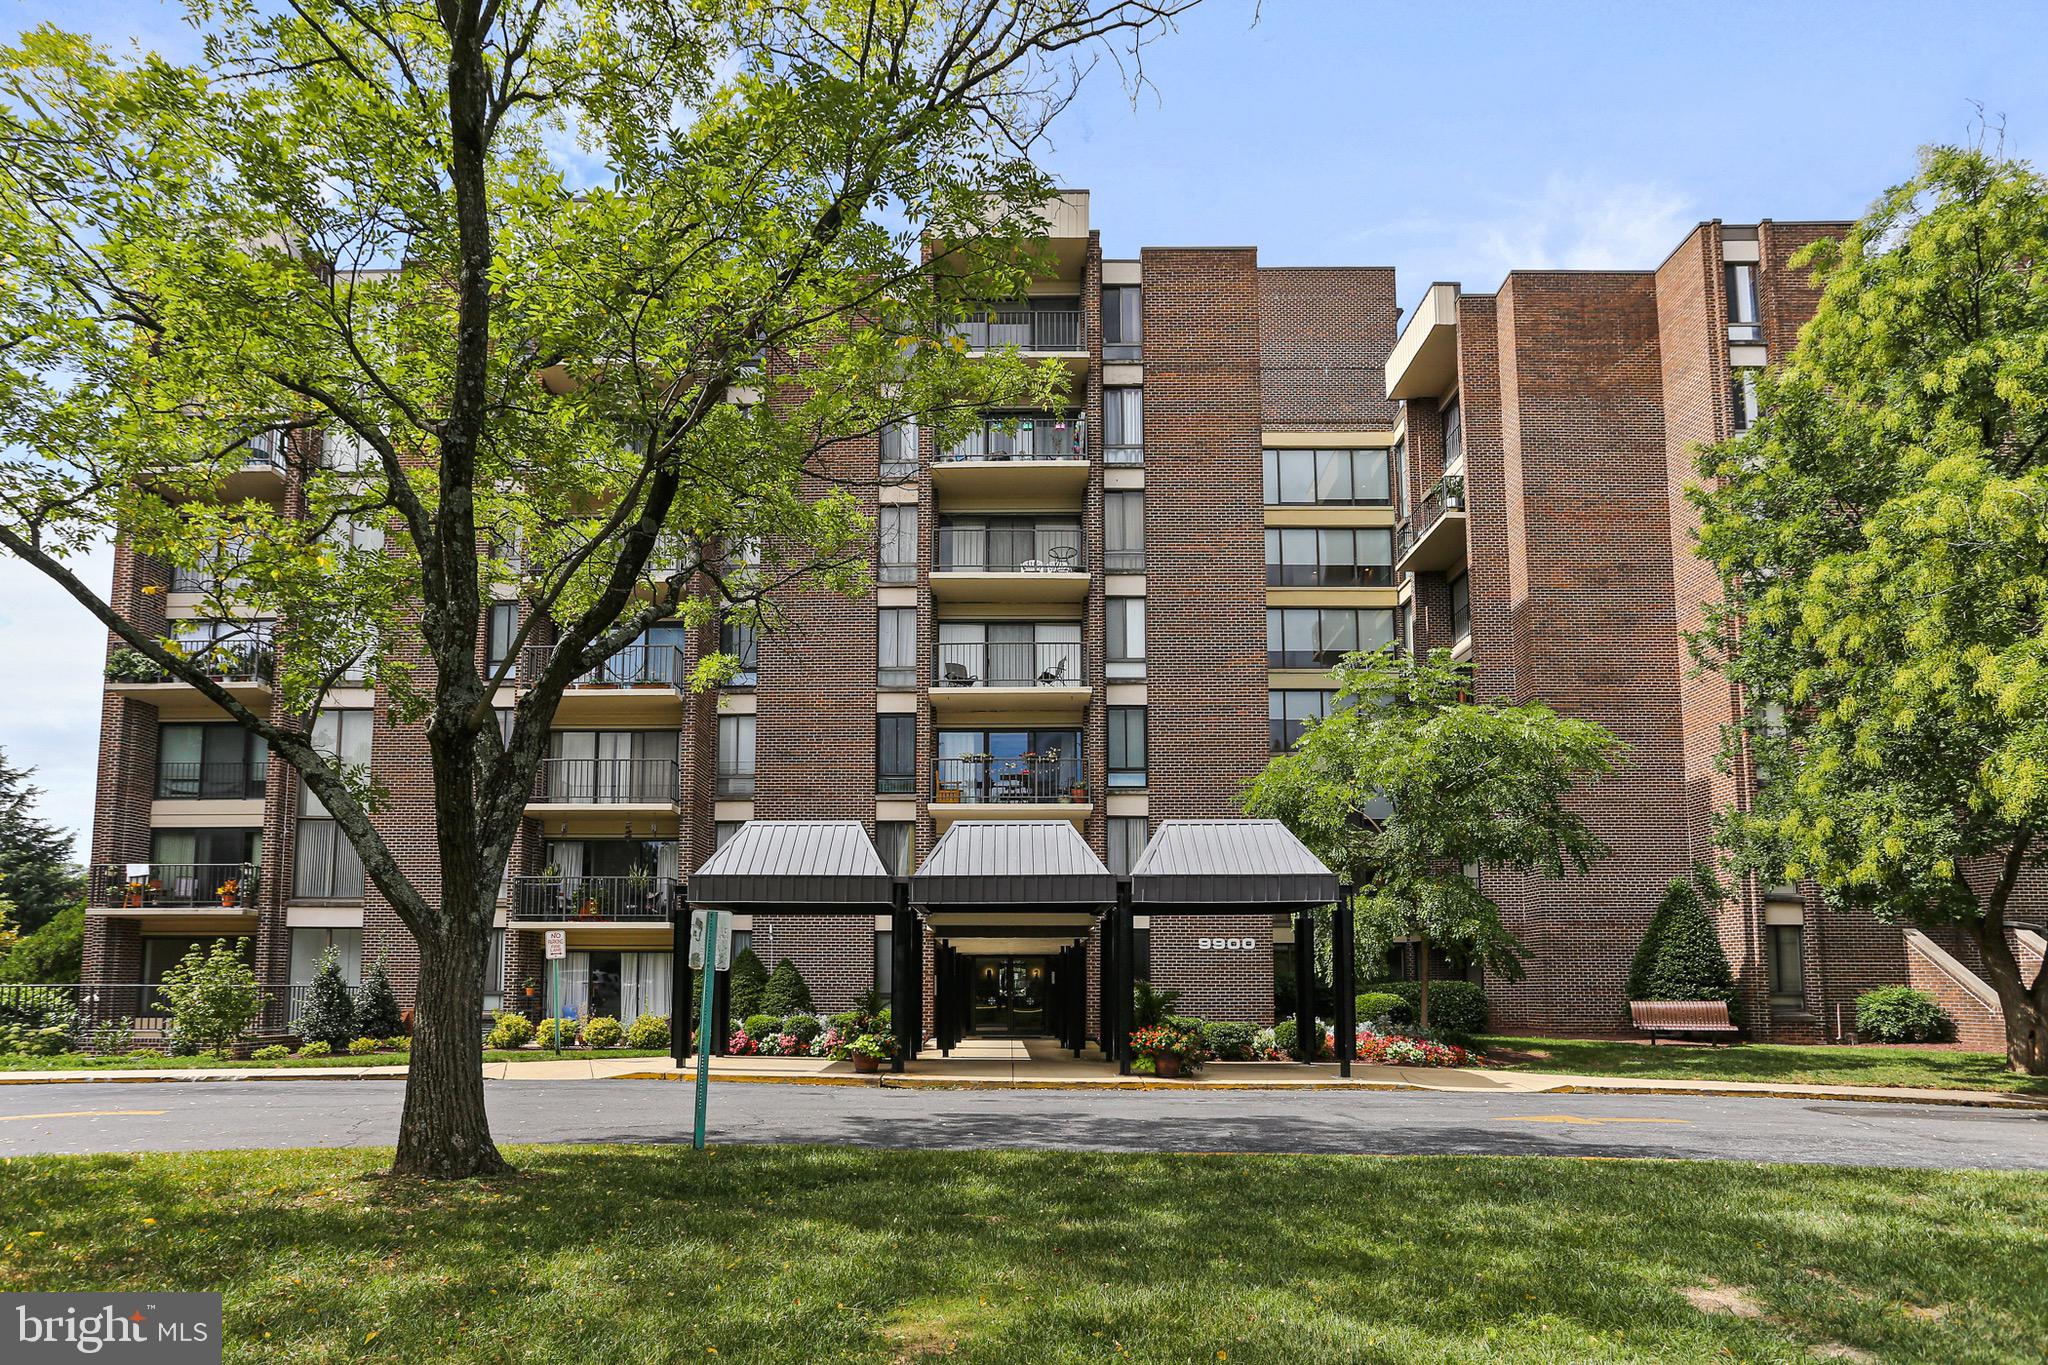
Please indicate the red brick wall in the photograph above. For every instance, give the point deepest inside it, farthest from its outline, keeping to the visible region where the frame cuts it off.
(1324, 334)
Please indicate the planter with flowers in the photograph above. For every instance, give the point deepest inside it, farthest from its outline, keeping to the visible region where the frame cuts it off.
(230, 892)
(1174, 1050)
(869, 1050)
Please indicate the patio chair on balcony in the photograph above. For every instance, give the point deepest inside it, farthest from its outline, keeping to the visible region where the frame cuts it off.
(958, 675)
(1055, 676)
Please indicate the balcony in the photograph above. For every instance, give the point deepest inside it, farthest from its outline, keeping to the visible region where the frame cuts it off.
(636, 898)
(984, 787)
(641, 685)
(1016, 457)
(242, 665)
(1009, 564)
(209, 782)
(1037, 331)
(1006, 675)
(1424, 361)
(624, 785)
(1434, 541)
(222, 888)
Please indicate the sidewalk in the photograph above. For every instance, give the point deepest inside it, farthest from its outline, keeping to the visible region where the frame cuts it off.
(1002, 1064)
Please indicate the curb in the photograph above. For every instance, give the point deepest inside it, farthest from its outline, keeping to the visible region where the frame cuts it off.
(1966, 1099)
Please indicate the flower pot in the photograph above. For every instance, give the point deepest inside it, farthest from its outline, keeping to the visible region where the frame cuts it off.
(1166, 1066)
(865, 1065)
(227, 902)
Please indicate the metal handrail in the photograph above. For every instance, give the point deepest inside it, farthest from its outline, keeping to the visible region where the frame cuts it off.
(608, 781)
(1028, 329)
(1010, 549)
(1020, 663)
(1042, 437)
(549, 899)
(208, 782)
(1042, 778)
(633, 666)
(228, 885)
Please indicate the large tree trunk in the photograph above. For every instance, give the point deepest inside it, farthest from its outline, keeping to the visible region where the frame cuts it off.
(443, 1133)
(2024, 1003)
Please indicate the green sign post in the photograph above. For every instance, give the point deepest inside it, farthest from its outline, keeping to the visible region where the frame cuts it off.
(706, 953)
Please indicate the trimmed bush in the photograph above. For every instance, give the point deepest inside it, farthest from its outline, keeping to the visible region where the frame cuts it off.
(604, 1031)
(1284, 1038)
(510, 1032)
(330, 1013)
(747, 985)
(1456, 1007)
(759, 1026)
(363, 1047)
(649, 1030)
(1680, 957)
(1229, 1040)
(399, 1044)
(311, 1050)
(274, 1053)
(377, 1012)
(788, 993)
(804, 1026)
(545, 1034)
(1900, 1014)
(1384, 1007)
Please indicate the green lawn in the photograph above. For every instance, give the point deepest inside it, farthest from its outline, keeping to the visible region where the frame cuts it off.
(74, 1061)
(608, 1254)
(1764, 1062)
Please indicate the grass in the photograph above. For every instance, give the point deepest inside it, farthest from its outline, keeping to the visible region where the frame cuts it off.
(1930, 1068)
(813, 1255)
(78, 1061)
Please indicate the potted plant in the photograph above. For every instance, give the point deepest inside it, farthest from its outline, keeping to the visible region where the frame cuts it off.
(229, 891)
(1172, 1049)
(131, 894)
(531, 988)
(1078, 794)
(868, 1050)
(587, 910)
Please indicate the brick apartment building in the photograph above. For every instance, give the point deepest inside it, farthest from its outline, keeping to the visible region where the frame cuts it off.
(1105, 616)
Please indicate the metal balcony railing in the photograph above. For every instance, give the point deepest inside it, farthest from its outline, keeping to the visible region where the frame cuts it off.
(208, 782)
(1028, 329)
(633, 666)
(1023, 438)
(1010, 549)
(552, 899)
(140, 1006)
(229, 886)
(1047, 778)
(608, 781)
(1445, 495)
(1022, 663)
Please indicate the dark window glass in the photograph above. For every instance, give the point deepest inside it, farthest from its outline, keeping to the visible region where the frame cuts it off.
(1126, 746)
(896, 753)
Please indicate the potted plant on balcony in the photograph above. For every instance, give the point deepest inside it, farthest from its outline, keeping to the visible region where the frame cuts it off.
(588, 908)
(230, 892)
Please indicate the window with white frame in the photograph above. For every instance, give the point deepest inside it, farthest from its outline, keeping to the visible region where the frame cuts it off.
(736, 756)
(1123, 531)
(1126, 636)
(896, 647)
(1123, 425)
(897, 562)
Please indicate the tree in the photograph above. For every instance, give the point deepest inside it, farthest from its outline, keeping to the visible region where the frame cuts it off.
(1680, 957)
(787, 992)
(1406, 784)
(1881, 534)
(35, 856)
(212, 997)
(377, 1013)
(358, 239)
(330, 1013)
(747, 984)
(53, 953)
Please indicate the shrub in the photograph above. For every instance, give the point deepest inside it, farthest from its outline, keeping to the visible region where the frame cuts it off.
(212, 997)
(1680, 957)
(363, 1047)
(508, 1032)
(54, 952)
(1456, 1007)
(113, 1036)
(649, 1030)
(849, 1021)
(1149, 1006)
(311, 1050)
(804, 1026)
(1384, 1007)
(545, 1034)
(747, 984)
(1284, 1038)
(330, 1013)
(33, 1008)
(1900, 1014)
(275, 1052)
(1230, 1041)
(377, 1012)
(788, 992)
(400, 1043)
(603, 1031)
(34, 1042)
(1173, 1038)
(1395, 1050)
(759, 1026)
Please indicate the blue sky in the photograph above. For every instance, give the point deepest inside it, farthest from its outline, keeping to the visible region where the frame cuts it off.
(1451, 141)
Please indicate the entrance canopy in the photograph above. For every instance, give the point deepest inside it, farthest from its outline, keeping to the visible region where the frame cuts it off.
(1202, 865)
(815, 865)
(1012, 864)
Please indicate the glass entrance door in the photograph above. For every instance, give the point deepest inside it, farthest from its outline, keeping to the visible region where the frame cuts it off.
(1009, 995)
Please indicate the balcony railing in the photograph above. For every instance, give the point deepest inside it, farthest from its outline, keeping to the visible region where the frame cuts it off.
(1024, 438)
(142, 1008)
(1028, 329)
(555, 899)
(633, 666)
(228, 886)
(1447, 494)
(1022, 663)
(1004, 549)
(1039, 778)
(208, 782)
(608, 781)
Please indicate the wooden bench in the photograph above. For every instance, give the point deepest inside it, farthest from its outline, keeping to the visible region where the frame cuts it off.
(1680, 1016)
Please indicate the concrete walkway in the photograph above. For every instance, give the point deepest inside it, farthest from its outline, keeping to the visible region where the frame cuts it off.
(1035, 1064)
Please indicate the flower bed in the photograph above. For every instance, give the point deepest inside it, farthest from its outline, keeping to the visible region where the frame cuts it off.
(1394, 1049)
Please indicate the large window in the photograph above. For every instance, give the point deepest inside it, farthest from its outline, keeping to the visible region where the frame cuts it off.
(1123, 325)
(1126, 746)
(1318, 637)
(897, 562)
(324, 864)
(1461, 607)
(899, 450)
(504, 628)
(1126, 631)
(1123, 531)
(1009, 654)
(309, 945)
(1331, 478)
(1288, 711)
(736, 756)
(1329, 556)
(210, 763)
(1127, 836)
(611, 766)
(1788, 965)
(896, 647)
(1028, 764)
(1123, 425)
(1744, 321)
(896, 753)
(743, 642)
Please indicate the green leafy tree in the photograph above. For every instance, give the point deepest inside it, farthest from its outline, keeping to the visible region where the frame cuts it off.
(1881, 533)
(581, 299)
(36, 872)
(53, 953)
(1407, 783)
(747, 985)
(787, 992)
(330, 1013)
(377, 1014)
(212, 997)
(1680, 957)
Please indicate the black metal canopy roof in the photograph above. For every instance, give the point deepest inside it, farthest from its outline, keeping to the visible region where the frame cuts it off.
(1229, 862)
(810, 864)
(1012, 863)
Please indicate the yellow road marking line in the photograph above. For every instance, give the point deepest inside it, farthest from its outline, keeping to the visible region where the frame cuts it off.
(1576, 1118)
(85, 1114)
